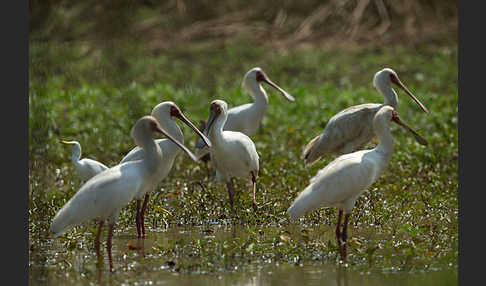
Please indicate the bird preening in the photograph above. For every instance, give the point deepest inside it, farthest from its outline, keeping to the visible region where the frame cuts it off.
(225, 139)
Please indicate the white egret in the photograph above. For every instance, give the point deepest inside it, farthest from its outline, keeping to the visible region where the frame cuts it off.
(352, 128)
(342, 181)
(163, 112)
(246, 118)
(85, 168)
(104, 195)
(233, 153)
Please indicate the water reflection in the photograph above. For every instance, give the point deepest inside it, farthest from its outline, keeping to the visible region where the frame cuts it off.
(135, 263)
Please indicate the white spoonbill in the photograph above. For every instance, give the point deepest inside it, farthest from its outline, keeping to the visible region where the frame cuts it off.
(163, 112)
(104, 195)
(352, 128)
(246, 118)
(233, 153)
(85, 168)
(340, 183)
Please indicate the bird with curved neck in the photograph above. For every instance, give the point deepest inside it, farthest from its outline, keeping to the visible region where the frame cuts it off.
(352, 128)
(233, 153)
(342, 181)
(103, 196)
(86, 167)
(164, 113)
(247, 118)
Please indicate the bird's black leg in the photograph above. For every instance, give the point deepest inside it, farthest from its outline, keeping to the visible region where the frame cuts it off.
(108, 244)
(345, 234)
(97, 241)
(142, 215)
(338, 231)
(137, 219)
(230, 187)
(253, 180)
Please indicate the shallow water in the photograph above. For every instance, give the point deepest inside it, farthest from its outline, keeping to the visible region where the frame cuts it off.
(137, 262)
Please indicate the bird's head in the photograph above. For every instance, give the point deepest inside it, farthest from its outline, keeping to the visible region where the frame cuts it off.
(141, 132)
(73, 145)
(387, 114)
(256, 76)
(383, 79)
(217, 109)
(168, 109)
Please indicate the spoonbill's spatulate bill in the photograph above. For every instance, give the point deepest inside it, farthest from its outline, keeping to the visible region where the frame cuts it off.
(163, 112)
(85, 168)
(352, 128)
(104, 195)
(233, 153)
(342, 181)
(246, 118)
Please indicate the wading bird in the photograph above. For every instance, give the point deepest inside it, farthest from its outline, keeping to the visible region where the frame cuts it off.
(104, 195)
(352, 128)
(233, 153)
(342, 181)
(246, 118)
(85, 168)
(163, 112)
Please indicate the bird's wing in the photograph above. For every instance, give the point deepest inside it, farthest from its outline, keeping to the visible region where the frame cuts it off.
(94, 166)
(135, 154)
(348, 127)
(138, 153)
(100, 196)
(344, 178)
(242, 119)
(242, 146)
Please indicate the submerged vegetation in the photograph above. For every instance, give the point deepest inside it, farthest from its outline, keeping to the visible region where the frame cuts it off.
(407, 222)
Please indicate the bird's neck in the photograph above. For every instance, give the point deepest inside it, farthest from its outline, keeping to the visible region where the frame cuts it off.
(385, 147)
(153, 153)
(175, 131)
(216, 132)
(260, 97)
(76, 155)
(390, 96)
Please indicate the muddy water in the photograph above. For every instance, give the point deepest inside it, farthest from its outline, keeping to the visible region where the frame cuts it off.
(73, 262)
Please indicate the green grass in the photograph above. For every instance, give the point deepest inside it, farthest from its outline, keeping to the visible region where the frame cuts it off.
(408, 220)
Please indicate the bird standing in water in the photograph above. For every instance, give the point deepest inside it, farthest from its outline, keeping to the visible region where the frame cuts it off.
(342, 181)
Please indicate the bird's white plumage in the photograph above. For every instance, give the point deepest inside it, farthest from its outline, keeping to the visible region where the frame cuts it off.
(162, 112)
(104, 195)
(233, 153)
(85, 168)
(352, 128)
(100, 198)
(236, 157)
(340, 183)
(246, 118)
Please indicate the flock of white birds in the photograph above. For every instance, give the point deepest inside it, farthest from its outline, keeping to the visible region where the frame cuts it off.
(226, 138)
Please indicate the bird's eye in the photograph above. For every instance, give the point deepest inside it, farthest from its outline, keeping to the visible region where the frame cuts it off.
(174, 111)
(259, 76)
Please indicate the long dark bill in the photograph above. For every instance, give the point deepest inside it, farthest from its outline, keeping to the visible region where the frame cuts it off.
(189, 123)
(283, 92)
(184, 148)
(417, 136)
(396, 81)
(212, 118)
